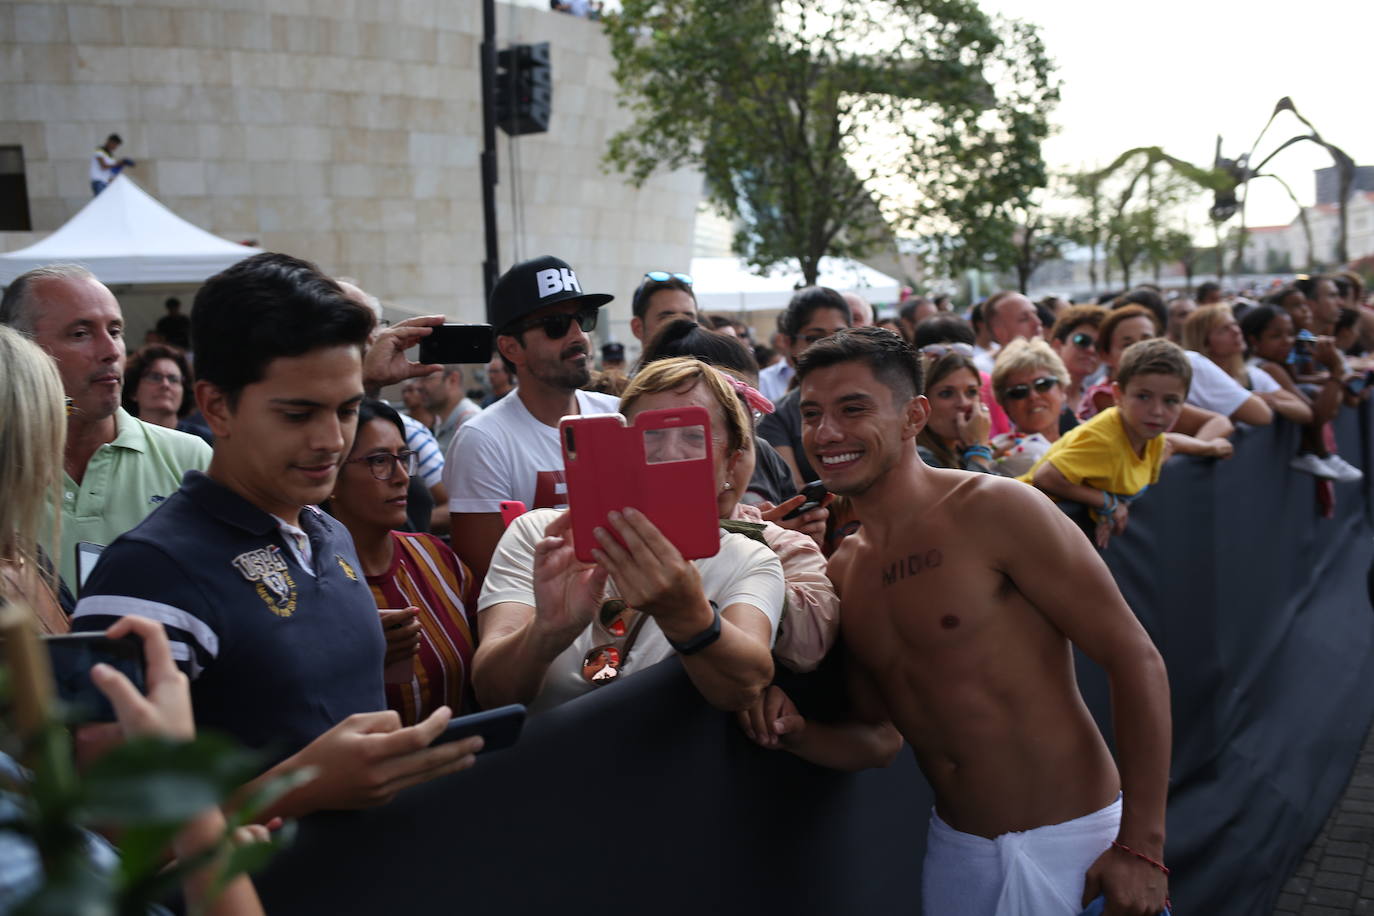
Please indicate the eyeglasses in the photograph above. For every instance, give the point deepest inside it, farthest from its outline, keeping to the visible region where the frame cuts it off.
(661, 276)
(556, 325)
(1083, 341)
(940, 349)
(158, 378)
(383, 465)
(1041, 385)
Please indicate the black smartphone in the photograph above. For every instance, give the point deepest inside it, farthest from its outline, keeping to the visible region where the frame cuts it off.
(73, 654)
(500, 727)
(814, 493)
(450, 344)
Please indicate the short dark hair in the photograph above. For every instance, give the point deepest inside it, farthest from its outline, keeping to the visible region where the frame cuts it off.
(1076, 316)
(1148, 298)
(807, 301)
(1255, 321)
(1206, 289)
(890, 358)
(639, 305)
(684, 337)
(1155, 356)
(266, 307)
(172, 303)
(115, 138)
(943, 329)
(140, 362)
(373, 409)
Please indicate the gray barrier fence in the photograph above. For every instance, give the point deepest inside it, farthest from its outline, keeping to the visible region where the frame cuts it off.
(642, 799)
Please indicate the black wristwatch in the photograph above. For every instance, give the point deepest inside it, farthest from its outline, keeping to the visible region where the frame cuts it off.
(702, 639)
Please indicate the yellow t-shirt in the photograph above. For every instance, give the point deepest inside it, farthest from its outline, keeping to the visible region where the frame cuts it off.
(1098, 454)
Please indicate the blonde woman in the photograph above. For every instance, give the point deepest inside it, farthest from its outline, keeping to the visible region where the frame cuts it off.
(1214, 332)
(1029, 380)
(33, 430)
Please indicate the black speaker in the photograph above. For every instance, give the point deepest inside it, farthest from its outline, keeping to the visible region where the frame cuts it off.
(524, 89)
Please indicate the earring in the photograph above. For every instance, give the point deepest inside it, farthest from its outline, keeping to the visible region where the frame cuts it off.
(726, 486)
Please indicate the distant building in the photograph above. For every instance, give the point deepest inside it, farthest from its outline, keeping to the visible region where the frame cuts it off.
(1329, 183)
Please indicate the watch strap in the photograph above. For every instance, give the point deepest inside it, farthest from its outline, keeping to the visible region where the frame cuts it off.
(702, 639)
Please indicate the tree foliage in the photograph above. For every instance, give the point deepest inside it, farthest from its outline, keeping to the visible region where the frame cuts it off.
(826, 126)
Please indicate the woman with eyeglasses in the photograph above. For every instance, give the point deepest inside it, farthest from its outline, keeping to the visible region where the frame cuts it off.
(158, 389)
(1074, 340)
(1029, 381)
(422, 589)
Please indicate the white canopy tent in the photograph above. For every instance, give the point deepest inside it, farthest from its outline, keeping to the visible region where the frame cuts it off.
(124, 236)
(728, 285)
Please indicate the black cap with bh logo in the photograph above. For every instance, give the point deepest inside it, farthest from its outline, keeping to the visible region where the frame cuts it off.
(531, 285)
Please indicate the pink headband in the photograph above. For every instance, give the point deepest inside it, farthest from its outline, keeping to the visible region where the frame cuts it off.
(752, 396)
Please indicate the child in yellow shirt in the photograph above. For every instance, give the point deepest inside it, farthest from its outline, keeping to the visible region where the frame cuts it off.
(1110, 460)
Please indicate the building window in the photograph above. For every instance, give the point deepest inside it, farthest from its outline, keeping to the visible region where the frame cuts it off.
(14, 191)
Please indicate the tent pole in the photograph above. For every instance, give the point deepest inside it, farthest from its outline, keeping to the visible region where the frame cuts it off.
(488, 65)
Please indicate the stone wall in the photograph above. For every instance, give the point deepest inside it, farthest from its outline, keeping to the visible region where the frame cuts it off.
(344, 131)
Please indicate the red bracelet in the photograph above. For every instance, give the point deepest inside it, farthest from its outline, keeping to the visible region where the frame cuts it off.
(1142, 857)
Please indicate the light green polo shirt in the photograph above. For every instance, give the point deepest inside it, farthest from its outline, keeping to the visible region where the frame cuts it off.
(125, 480)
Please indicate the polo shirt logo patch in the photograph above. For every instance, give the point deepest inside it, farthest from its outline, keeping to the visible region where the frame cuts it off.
(347, 569)
(268, 572)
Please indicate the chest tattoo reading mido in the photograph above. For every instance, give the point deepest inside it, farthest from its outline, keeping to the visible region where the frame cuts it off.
(911, 565)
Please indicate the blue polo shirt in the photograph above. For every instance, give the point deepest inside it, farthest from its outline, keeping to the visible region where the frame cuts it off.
(277, 654)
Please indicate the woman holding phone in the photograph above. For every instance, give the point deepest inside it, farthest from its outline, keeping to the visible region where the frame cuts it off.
(553, 628)
(423, 590)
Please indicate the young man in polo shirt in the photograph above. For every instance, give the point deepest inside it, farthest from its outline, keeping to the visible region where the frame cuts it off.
(260, 592)
(117, 468)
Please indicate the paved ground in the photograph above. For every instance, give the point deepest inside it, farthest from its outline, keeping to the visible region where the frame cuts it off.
(1336, 876)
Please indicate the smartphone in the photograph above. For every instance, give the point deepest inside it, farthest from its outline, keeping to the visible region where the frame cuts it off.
(511, 509)
(814, 492)
(660, 465)
(1360, 382)
(86, 555)
(449, 344)
(72, 656)
(499, 727)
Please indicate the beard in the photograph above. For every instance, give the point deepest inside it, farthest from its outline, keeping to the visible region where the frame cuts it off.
(559, 372)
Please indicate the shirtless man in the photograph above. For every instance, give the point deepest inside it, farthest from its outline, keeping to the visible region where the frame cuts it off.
(960, 596)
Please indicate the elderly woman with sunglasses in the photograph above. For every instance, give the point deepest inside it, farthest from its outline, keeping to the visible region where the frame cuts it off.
(554, 628)
(1029, 381)
(422, 589)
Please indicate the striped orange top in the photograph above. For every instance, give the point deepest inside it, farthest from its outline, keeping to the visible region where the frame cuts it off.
(428, 575)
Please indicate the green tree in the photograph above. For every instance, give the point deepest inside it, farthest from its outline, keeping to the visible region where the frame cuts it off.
(824, 126)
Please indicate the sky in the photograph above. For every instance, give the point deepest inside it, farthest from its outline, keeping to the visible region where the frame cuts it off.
(1175, 74)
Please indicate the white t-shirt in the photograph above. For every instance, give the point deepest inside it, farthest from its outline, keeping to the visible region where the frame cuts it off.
(1261, 382)
(1212, 388)
(774, 379)
(505, 453)
(744, 572)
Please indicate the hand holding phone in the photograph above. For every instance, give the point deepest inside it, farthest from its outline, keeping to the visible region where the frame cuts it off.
(451, 344)
(814, 492)
(159, 702)
(499, 727)
(74, 655)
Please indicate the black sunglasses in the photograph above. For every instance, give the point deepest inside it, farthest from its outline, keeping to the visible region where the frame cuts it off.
(556, 326)
(1041, 385)
(1083, 341)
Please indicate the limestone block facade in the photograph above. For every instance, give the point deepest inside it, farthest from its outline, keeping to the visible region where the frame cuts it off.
(344, 131)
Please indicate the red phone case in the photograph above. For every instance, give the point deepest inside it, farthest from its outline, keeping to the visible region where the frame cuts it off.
(511, 509)
(606, 468)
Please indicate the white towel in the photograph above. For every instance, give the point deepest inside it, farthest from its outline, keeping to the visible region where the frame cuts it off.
(1037, 872)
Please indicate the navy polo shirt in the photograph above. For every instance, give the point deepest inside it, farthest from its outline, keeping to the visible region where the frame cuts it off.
(276, 656)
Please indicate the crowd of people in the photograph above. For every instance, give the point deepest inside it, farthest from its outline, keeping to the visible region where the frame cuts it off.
(337, 576)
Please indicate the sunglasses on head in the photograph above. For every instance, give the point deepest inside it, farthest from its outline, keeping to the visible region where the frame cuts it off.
(940, 349)
(556, 326)
(662, 276)
(1041, 385)
(1083, 341)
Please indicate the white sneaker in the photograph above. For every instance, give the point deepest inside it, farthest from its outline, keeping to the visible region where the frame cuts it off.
(1309, 463)
(1342, 470)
